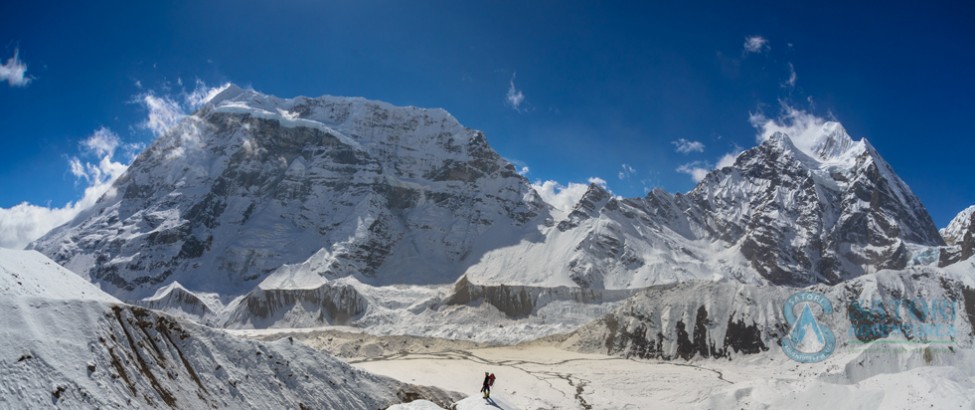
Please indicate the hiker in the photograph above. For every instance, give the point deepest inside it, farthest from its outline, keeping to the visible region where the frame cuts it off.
(488, 382)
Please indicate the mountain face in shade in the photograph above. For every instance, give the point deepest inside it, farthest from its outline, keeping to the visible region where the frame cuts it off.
(258, 210)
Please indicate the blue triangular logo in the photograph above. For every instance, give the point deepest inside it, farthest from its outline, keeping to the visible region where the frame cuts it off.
(806, 334)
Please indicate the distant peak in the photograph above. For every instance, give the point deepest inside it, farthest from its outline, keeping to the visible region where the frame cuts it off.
(959, 226)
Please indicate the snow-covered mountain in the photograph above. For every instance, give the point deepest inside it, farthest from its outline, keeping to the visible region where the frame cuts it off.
(826, 210)
(822, 213)
(258, 211)
(66, 344)
(339, 186)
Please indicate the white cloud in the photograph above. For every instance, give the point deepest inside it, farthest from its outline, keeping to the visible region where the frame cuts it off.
(626, 171)
(803, 128)
(598, 181)
(684, 146)
(756, 44)
(515, 97)
(791, 82)
(164, 113)
(728, 159)
(697, 170)
(203, 94)
(520, 166)
(23, 223)
(103, 142)
(564, 197)
(14, 71)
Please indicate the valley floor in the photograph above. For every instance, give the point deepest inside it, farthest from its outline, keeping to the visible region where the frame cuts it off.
(540, 375)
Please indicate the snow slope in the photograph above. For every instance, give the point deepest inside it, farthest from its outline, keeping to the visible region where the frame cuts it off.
(536, 376)
(29, 274)
(65, 344)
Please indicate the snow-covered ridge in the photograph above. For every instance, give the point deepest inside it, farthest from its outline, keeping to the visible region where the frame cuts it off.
(285, 118)
(29, 274)
(70, 346)
(330, 113)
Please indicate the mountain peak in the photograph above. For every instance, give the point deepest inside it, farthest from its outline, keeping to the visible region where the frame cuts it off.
(264, 181)
(826, 143)
(227, 91)
(832, 142)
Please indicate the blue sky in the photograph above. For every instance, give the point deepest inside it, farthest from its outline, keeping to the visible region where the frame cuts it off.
(601, 85)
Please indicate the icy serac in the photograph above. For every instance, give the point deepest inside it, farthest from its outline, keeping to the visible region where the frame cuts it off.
(250, 184)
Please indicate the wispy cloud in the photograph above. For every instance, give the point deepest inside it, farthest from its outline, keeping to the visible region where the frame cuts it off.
(791, 81)
(25, 222)
(14, 71)
(103, 157)
(696, 169)
(728, 159)
(520, 166)
(202, 94)
(514, 97)
(164, 113)
(685, 146)
(756, 44)
(170, 114)
(626, 171)
(564, 197)
(802, 127)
